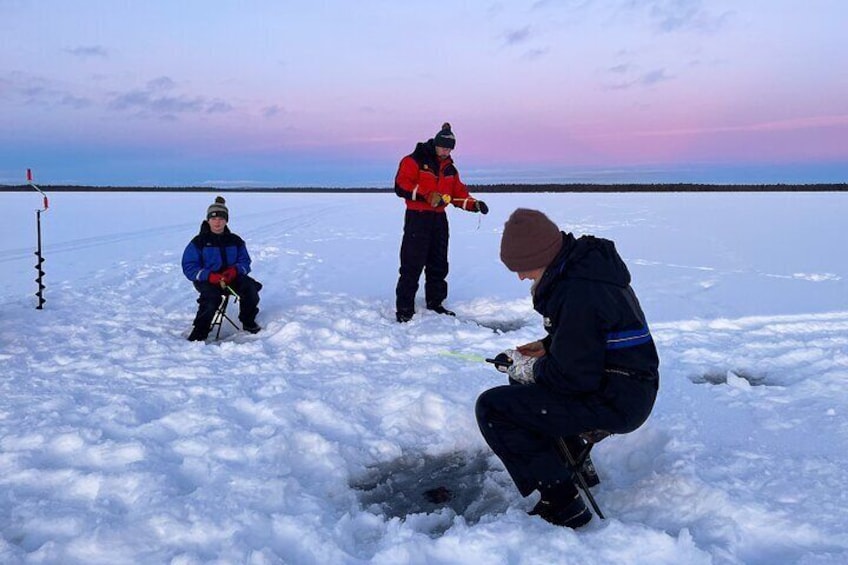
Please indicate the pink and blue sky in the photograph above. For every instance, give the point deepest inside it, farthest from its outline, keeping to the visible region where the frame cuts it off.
(334, 93)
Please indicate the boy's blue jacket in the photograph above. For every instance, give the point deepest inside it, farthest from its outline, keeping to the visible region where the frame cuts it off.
(211, 253)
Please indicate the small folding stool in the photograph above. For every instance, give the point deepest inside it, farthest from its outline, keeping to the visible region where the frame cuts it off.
(575, 462)
(221, 315)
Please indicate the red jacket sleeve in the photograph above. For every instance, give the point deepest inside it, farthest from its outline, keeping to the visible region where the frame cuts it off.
(406, 180)
(460, 197)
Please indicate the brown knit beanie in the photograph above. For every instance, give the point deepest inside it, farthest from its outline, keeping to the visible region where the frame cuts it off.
(530, 241)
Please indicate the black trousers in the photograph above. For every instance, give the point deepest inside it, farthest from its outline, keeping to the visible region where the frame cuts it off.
(521, 424)
(424, 247)
(210, 297)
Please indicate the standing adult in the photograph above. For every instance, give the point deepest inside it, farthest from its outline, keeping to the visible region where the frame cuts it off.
(428, 181)
(597, 368)
(214, 260)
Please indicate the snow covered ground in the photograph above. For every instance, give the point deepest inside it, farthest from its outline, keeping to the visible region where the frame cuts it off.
(311, 442)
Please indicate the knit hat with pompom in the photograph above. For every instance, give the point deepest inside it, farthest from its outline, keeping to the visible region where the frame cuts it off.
(445, 137)
(218, 209)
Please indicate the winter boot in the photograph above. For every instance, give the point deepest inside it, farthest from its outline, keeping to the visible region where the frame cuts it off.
(198, 334)
(562, 506)
(441, 310)
(251, 327)
(403, 316)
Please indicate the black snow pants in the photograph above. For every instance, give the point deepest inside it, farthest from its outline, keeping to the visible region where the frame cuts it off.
(210, 297)
(521, 424)
(424, 247)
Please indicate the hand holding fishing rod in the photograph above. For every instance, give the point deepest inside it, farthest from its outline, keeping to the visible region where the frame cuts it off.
(502, 362)
(518, 363)
(436, 199)
(224, 278)
(519, 367)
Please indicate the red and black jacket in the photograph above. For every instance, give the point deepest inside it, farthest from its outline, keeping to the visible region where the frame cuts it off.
(422, 172)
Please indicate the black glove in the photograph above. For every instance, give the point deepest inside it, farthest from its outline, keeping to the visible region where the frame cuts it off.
(482, 208)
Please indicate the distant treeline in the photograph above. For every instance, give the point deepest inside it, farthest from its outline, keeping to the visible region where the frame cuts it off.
(572, 187)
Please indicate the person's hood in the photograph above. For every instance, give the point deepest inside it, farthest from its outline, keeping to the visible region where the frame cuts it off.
(594, 258)
(589, 258)
(426, 151)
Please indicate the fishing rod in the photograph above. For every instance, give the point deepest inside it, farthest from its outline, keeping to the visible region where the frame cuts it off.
(225, 286)
(501, 361)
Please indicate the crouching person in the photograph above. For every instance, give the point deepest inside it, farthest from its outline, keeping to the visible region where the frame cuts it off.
(597, 368)
(215, 259)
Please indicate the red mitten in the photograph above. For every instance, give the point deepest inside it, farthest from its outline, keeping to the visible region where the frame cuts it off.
(215, 278)
(229, 274)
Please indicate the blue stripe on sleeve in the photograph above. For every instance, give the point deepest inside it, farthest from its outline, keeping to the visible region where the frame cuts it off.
(629, 338)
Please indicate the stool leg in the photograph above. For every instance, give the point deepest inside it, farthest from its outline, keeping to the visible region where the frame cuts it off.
(574, 465)
(221, 315)
(230, 320)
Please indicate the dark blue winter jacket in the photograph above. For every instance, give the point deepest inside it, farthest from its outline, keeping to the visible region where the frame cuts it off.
(212, 253)
(598, 343)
